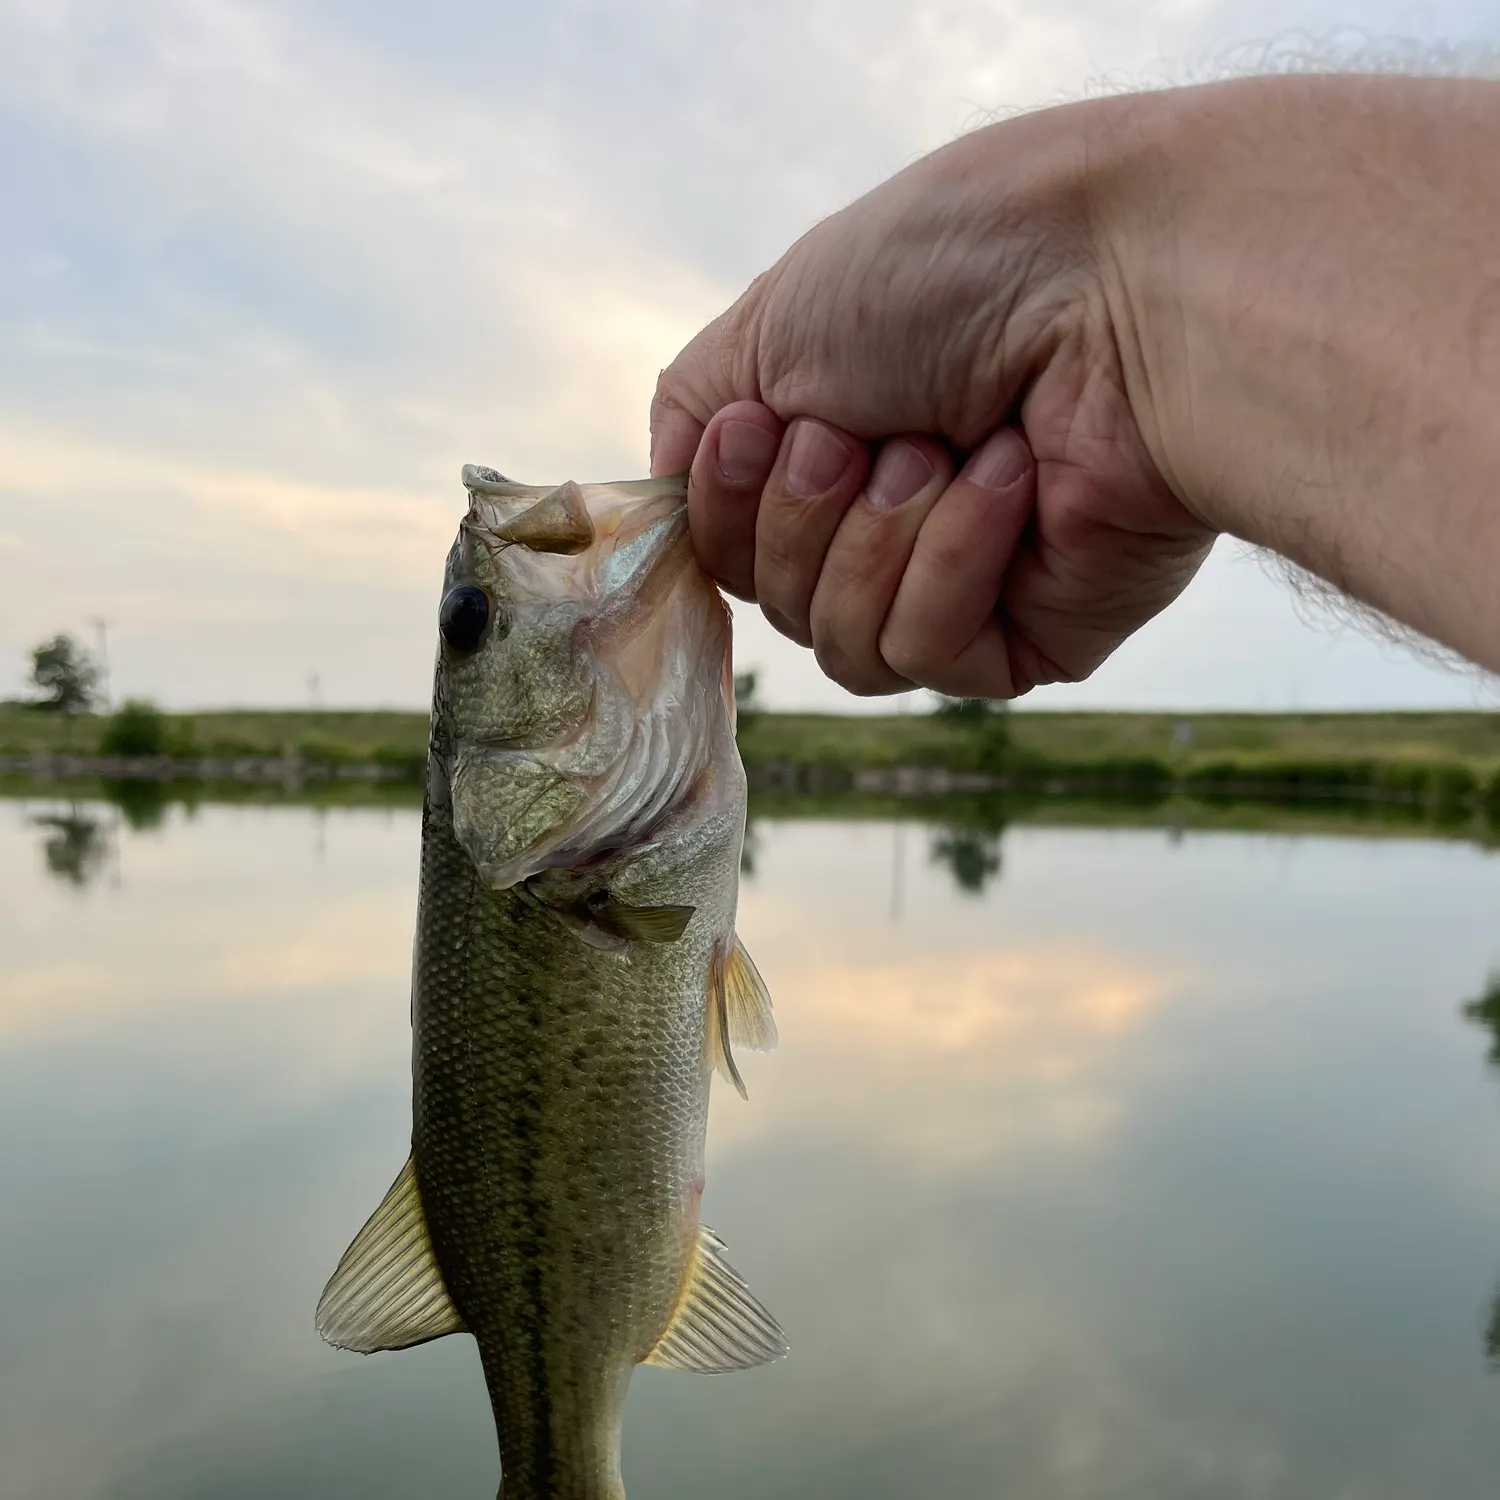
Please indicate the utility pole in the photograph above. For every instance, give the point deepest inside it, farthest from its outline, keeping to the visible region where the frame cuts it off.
(102, 653)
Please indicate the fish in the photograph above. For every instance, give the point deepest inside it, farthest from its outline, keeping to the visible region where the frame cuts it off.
(576, 980)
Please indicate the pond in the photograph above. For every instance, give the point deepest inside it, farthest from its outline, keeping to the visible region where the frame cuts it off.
(1095, 1162)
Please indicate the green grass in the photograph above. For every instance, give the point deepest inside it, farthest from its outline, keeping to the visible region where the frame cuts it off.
(336, 735)
(849, 741)
(1082, 738)
(1433, 757)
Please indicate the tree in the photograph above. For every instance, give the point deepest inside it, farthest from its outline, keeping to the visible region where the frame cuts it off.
(139, 728)
(970, 710)
(980, 732)
(745, 706)
(65, 674)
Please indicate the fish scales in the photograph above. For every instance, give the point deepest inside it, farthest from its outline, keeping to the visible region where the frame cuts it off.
(560, 1107)
(576, 978)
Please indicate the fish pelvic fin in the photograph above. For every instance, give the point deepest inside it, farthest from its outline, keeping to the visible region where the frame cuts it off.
(387, 1292)
(717, 1326)
(739, 1012)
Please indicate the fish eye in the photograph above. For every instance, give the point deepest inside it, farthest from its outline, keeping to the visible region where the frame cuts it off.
(464, 614)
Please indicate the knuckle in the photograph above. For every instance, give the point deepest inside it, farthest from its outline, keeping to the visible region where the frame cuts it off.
(782, 569)
(909, 657)
(857, 571)
(855, 671)
(835, 664)
(784, 622)
(950, 554)
(677, 392)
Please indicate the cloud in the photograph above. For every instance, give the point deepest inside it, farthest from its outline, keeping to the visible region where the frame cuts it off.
(277, 262)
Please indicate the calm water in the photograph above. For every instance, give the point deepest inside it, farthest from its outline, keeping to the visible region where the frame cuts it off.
(1149, 1169)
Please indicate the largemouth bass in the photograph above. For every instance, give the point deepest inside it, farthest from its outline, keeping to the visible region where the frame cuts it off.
(576, 979)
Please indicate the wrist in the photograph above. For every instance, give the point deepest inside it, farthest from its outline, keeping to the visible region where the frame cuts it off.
(1303, 292)
(1294, 264)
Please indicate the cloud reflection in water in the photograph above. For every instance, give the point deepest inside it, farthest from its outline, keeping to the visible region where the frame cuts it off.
(1150, 1171)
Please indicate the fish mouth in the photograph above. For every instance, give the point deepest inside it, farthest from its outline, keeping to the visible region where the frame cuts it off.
(491, 484)
(569, 518)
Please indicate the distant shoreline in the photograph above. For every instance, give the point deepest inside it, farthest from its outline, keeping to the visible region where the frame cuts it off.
(1472, 736)
(1447, 762)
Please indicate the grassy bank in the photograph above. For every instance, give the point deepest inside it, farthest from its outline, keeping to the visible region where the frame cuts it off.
(224, 734)
(1448, 762)
(1180, 740)
(1446, 759)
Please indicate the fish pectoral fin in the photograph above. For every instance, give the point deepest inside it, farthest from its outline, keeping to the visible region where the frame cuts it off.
(651, 924)
(387, 1292)
(739, 1012)
(718, 1325)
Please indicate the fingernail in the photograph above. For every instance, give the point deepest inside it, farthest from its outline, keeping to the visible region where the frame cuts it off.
(900, 471)
(816, 460)
(746, 452)
(1000, 461)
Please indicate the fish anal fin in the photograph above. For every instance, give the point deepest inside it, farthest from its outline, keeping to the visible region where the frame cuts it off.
(651, 924)
(387, 1292)
(717, 1326)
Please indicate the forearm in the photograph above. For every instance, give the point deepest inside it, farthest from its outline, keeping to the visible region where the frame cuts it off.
(1306, 275)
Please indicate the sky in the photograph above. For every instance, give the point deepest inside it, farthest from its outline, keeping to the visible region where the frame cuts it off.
(271, 274)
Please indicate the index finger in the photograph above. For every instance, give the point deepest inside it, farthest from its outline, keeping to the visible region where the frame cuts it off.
(675, 435)
(716, 367)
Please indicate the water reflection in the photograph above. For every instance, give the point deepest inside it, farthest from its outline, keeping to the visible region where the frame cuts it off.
(749, 848)
(143, 804)
(971, 854)
(1152, 1172)
(1485, 1012)
(80, 844)
(76, 845)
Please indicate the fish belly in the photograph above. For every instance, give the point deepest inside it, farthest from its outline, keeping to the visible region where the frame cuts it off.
(559, 1113)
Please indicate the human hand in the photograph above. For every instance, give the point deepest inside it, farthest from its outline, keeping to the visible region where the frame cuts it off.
(915, 442)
